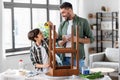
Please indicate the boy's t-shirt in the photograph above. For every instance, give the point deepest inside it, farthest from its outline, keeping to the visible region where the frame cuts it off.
(44, 57)
(35, 56)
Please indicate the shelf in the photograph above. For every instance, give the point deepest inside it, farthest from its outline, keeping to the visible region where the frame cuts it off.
(108, 30)
(104, 41)
(106, 12)
(105, 30)
(92, 50)
(104, 17)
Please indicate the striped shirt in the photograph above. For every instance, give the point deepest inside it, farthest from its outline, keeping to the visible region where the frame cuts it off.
(39, 55)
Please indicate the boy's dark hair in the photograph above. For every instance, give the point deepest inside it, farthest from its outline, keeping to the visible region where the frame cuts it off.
(66, 5)
(33, 33)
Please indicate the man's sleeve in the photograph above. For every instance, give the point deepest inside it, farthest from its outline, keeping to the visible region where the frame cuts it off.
(87, 31)
(60, 32)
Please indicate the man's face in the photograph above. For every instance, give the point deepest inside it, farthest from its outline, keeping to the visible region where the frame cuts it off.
(65, 13)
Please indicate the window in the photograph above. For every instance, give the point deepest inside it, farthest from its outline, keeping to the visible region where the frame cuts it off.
(20, 16)
(54, 18)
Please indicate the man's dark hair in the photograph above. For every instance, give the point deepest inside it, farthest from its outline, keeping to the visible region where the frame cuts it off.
(33, 33)
(66, 5)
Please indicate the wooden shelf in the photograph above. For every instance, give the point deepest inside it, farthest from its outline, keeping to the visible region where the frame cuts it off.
(107, 34)
(106, 41)
(104, 17)
(109, 30)
(92, 50)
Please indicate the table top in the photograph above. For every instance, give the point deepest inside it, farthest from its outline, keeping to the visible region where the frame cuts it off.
(103, 70)
(14, 75)
(17, 75)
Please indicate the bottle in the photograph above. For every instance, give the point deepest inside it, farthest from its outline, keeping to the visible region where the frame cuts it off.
(84, 68)
(21, 65)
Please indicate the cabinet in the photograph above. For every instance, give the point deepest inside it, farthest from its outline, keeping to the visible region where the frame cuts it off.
(106, 30)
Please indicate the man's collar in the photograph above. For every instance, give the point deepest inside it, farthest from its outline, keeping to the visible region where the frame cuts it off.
(72, 18)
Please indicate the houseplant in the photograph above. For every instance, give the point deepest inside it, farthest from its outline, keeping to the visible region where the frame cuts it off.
(45, 29)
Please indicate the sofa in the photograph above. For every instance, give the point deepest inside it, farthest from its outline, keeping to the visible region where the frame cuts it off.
(108, 59)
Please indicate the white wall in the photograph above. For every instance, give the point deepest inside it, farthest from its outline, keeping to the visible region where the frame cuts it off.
(11, 62)
(1, 48)
(74, 4)
(95, 5)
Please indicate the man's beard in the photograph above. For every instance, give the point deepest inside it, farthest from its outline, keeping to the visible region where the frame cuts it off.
(68, 18)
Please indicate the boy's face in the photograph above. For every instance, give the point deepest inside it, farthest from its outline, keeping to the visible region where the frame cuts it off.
(39, 37)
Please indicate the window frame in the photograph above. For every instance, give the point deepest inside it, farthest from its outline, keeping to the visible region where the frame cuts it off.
(11, 5)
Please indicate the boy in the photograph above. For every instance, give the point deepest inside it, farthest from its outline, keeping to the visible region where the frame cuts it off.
(38, 51)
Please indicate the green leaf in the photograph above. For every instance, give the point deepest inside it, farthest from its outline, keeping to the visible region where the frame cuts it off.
(92, 75)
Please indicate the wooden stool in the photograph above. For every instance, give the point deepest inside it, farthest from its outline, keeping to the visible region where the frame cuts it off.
(56, 70)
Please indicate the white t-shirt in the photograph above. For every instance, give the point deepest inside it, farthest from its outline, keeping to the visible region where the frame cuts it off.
(68, 44)
(44, 58)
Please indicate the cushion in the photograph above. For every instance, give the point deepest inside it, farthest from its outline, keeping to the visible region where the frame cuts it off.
(112, 54)
(113, 65)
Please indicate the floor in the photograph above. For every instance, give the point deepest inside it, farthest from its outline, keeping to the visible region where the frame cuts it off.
(114, 78)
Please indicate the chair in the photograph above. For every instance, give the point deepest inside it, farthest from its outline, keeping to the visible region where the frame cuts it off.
(107, 59)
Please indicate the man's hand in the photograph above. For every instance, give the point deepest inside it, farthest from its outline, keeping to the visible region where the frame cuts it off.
(65, 38)
(61, 43)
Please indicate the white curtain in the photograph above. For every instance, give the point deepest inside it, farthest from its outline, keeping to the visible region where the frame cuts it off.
(119, 19)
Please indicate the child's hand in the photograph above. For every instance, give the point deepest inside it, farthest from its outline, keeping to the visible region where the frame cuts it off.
(42, 65)
(46, 65)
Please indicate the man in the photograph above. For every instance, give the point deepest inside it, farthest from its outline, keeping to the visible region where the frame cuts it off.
(64, 32)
